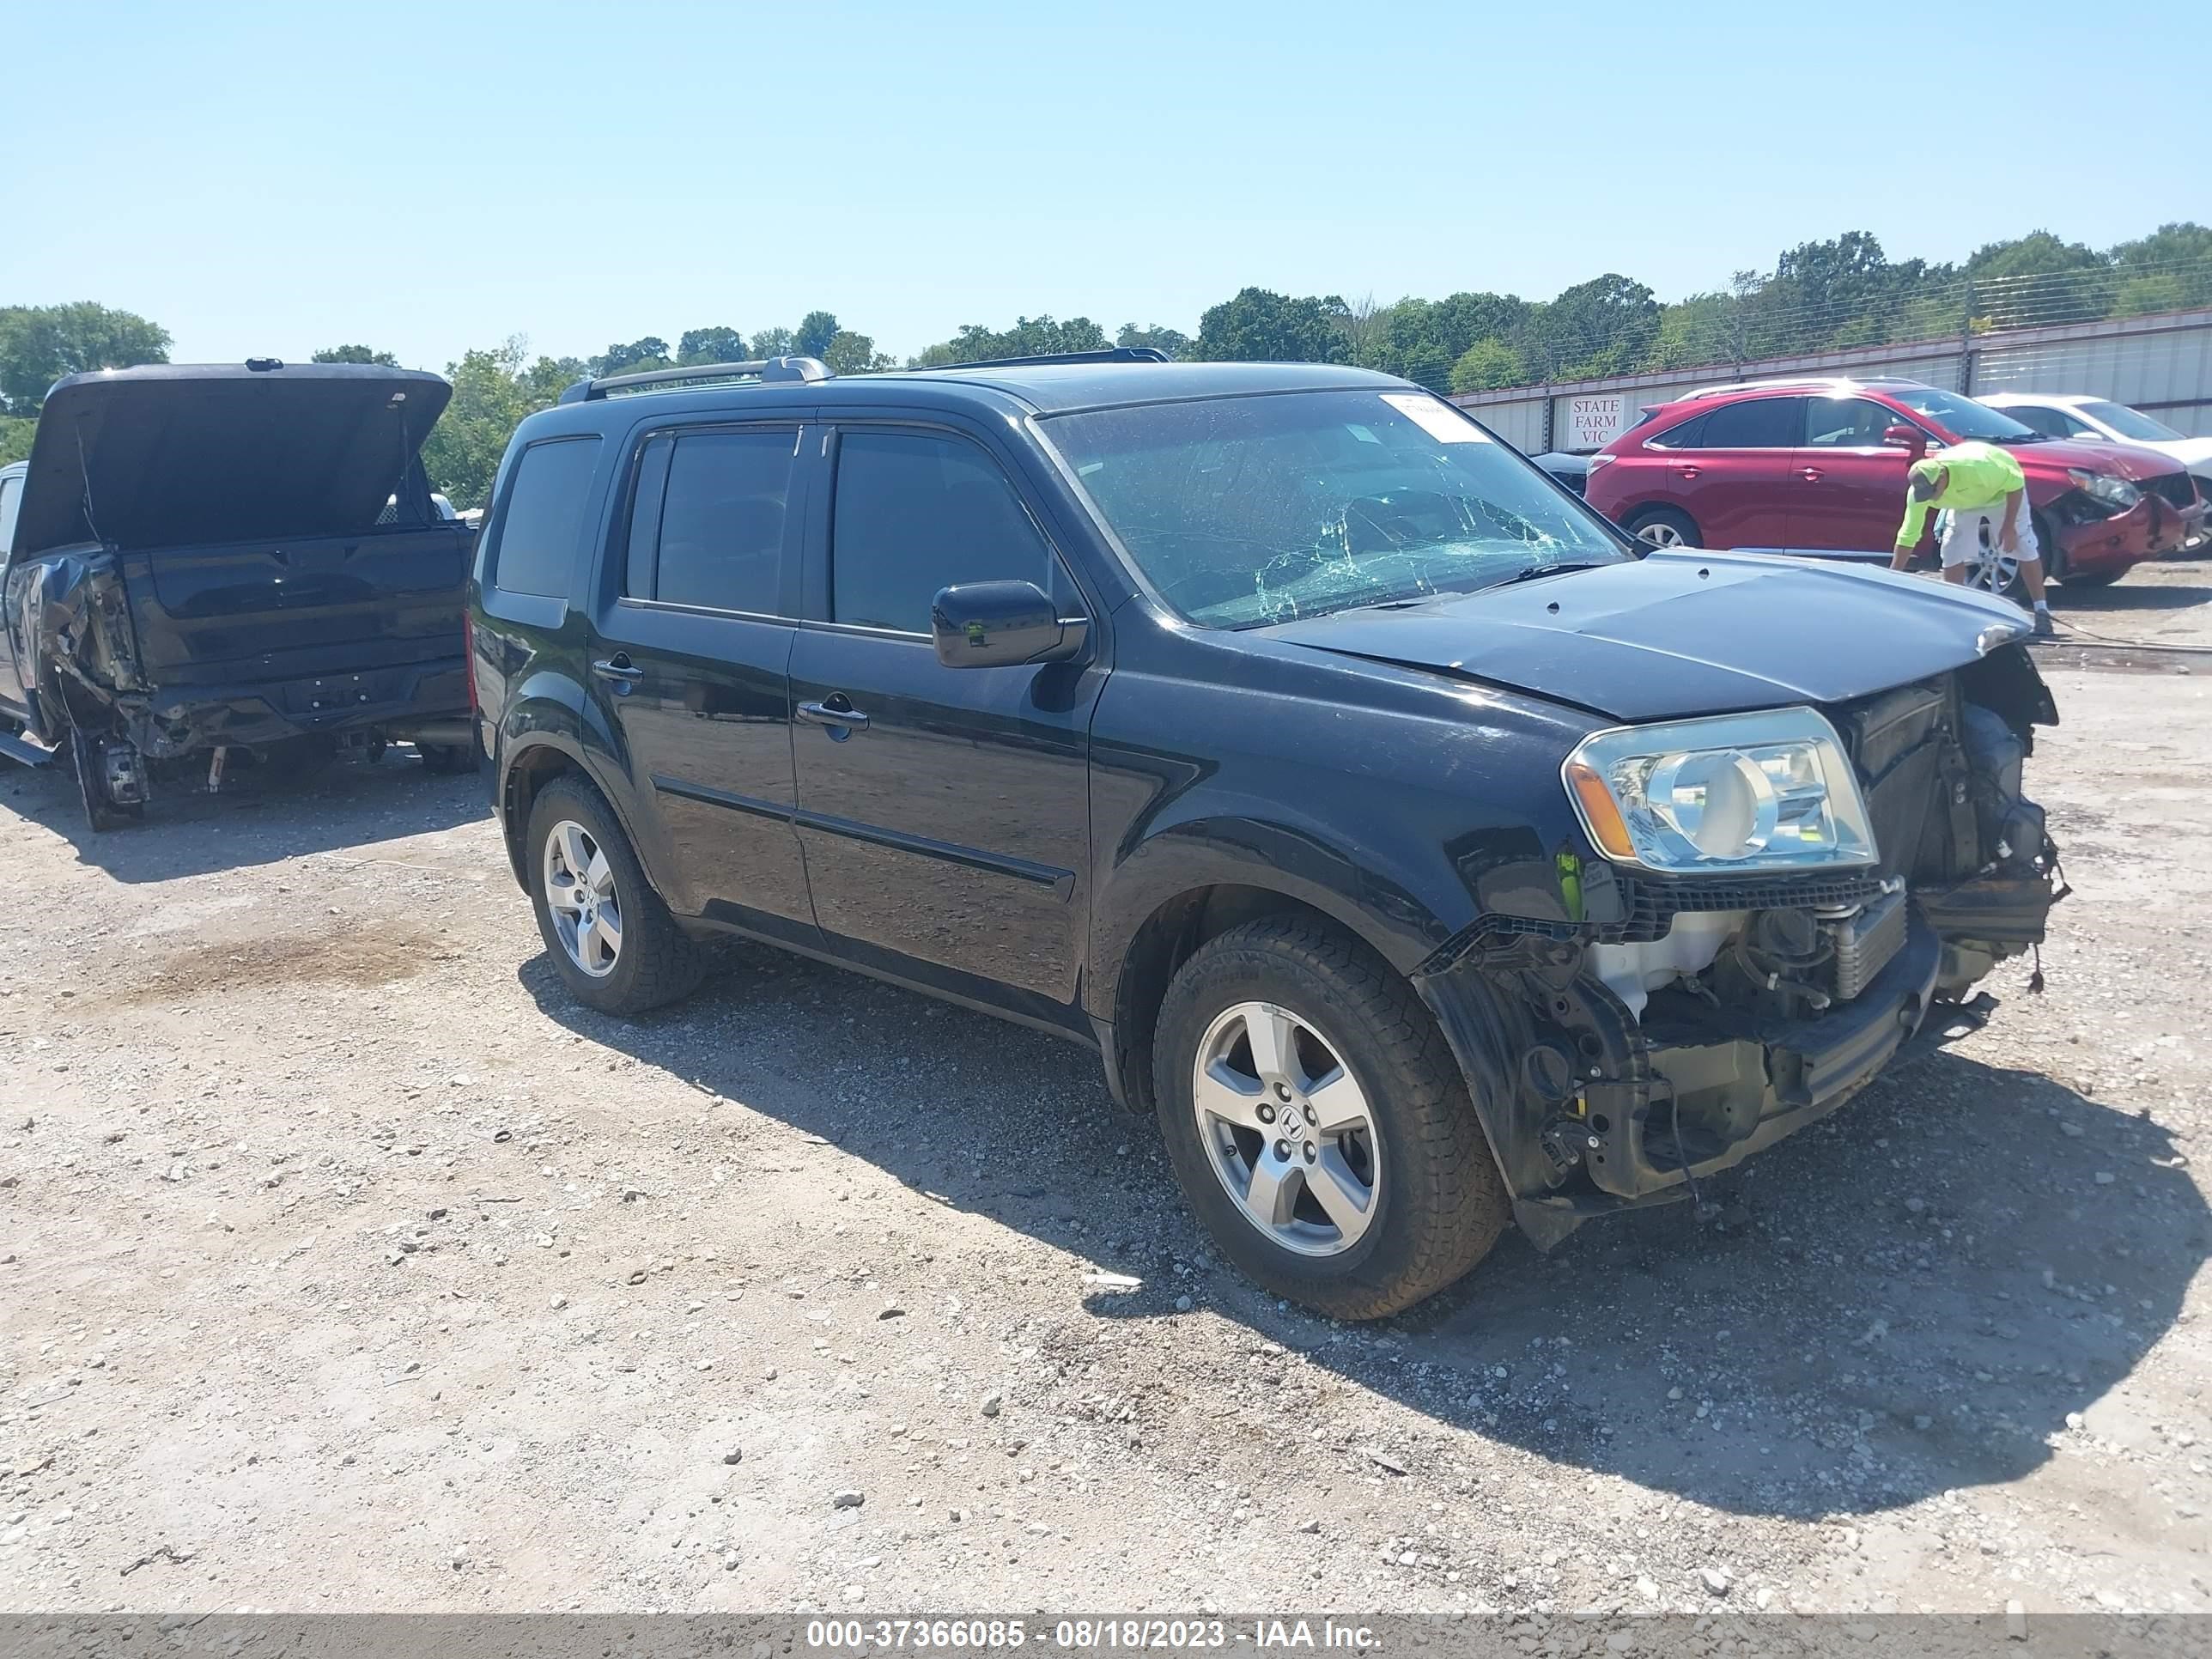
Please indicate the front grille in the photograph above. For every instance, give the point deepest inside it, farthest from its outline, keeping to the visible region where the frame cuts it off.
(2178, 488)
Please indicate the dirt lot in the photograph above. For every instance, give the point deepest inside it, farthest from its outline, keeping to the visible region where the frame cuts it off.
(345, 1264)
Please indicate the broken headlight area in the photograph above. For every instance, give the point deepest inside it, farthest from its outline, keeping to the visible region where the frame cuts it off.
(2077, 508)
(1770, 790)
(1693, 1022)
(2115, 494)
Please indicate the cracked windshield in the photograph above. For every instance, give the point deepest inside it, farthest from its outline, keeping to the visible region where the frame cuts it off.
(1246, 511)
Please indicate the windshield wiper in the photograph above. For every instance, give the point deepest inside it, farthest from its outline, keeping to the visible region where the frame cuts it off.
(1529, 573)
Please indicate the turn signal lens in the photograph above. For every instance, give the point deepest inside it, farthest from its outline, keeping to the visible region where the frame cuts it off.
(1600, 811)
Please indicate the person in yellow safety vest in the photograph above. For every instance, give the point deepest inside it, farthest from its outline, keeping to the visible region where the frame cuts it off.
(1981, 487)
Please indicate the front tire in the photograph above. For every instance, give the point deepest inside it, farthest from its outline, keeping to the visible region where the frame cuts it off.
(610, 937)
(1318, 1124)
(1664, 526)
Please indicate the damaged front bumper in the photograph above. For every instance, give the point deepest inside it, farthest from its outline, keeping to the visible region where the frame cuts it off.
(1593, 1108)
(2092, 539)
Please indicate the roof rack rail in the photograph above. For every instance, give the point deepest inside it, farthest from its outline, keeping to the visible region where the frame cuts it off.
(769, 370)
(1107, 355)
(1772, 383)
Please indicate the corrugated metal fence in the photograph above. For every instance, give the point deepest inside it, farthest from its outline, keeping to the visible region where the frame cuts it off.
(2162, 365)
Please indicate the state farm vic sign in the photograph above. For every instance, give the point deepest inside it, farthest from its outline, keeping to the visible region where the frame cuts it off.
(1594, 422)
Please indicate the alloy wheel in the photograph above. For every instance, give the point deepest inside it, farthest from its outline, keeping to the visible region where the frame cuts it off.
(1661, 534)
(580, 896)
(1287, 1128)
(1994, 572)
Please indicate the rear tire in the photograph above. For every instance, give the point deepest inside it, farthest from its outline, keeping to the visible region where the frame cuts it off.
(101, 810)
(443, 758)
(1434, 1202)
(1664, 526)
(644, 959)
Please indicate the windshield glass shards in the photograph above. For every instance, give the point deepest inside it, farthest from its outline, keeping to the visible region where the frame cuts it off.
(1246, 510)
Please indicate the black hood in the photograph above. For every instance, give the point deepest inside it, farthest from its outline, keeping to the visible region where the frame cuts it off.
(1683, 633)
(185, 454)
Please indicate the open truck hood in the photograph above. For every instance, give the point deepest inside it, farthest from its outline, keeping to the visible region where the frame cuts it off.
(190, 455)
(1676, 634)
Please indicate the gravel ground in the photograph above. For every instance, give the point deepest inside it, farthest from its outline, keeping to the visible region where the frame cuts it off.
(343, 1264)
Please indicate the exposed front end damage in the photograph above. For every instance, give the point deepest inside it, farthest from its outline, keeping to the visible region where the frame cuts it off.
(1687, 1023)
(2091, 539)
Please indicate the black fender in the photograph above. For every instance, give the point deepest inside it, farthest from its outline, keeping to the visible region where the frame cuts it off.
(1299, 861)
(549, 711)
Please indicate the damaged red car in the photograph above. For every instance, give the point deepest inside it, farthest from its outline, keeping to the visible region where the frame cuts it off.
(1820, 465)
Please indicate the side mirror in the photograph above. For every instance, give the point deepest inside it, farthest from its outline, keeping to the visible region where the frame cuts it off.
(1910, 439)
(1001, 624)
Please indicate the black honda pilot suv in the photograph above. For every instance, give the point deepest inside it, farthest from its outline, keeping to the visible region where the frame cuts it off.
(1423, 852)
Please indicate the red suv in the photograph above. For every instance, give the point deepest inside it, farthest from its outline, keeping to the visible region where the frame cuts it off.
(1820, 464)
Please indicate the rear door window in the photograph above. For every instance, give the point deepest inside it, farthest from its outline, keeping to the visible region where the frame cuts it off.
(539, 532)
(915, 512)
(707, 526)
(1755, 423)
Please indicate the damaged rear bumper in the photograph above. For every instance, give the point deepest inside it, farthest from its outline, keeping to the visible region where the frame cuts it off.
(395, 701)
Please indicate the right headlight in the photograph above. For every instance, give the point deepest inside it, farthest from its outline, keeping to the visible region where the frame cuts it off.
(2116, 493)
(1766, 791)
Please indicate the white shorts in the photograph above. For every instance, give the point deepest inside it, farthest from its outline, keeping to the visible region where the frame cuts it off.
(1961, 536)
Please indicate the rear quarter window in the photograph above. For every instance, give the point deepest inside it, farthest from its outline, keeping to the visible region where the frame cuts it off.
(1683, 434)
(539, 532)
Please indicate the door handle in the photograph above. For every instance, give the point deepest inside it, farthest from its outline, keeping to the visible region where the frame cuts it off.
(1686, 471)
(618, 668)
(836, 712)
(1811, 474)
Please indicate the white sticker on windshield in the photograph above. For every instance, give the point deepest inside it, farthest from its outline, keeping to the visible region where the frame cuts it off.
(1440, 420)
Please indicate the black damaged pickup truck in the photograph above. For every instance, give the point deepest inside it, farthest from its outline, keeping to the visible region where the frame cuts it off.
(207, 559)
(1426, 854)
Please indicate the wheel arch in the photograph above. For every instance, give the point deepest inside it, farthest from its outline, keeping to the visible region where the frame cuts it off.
(1158, 918)
(1635, 510)
(531, 762)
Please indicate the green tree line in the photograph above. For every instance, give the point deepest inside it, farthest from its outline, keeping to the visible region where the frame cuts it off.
(1818, 296)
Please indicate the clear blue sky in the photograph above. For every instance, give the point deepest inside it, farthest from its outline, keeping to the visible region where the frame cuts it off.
(427, 178)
